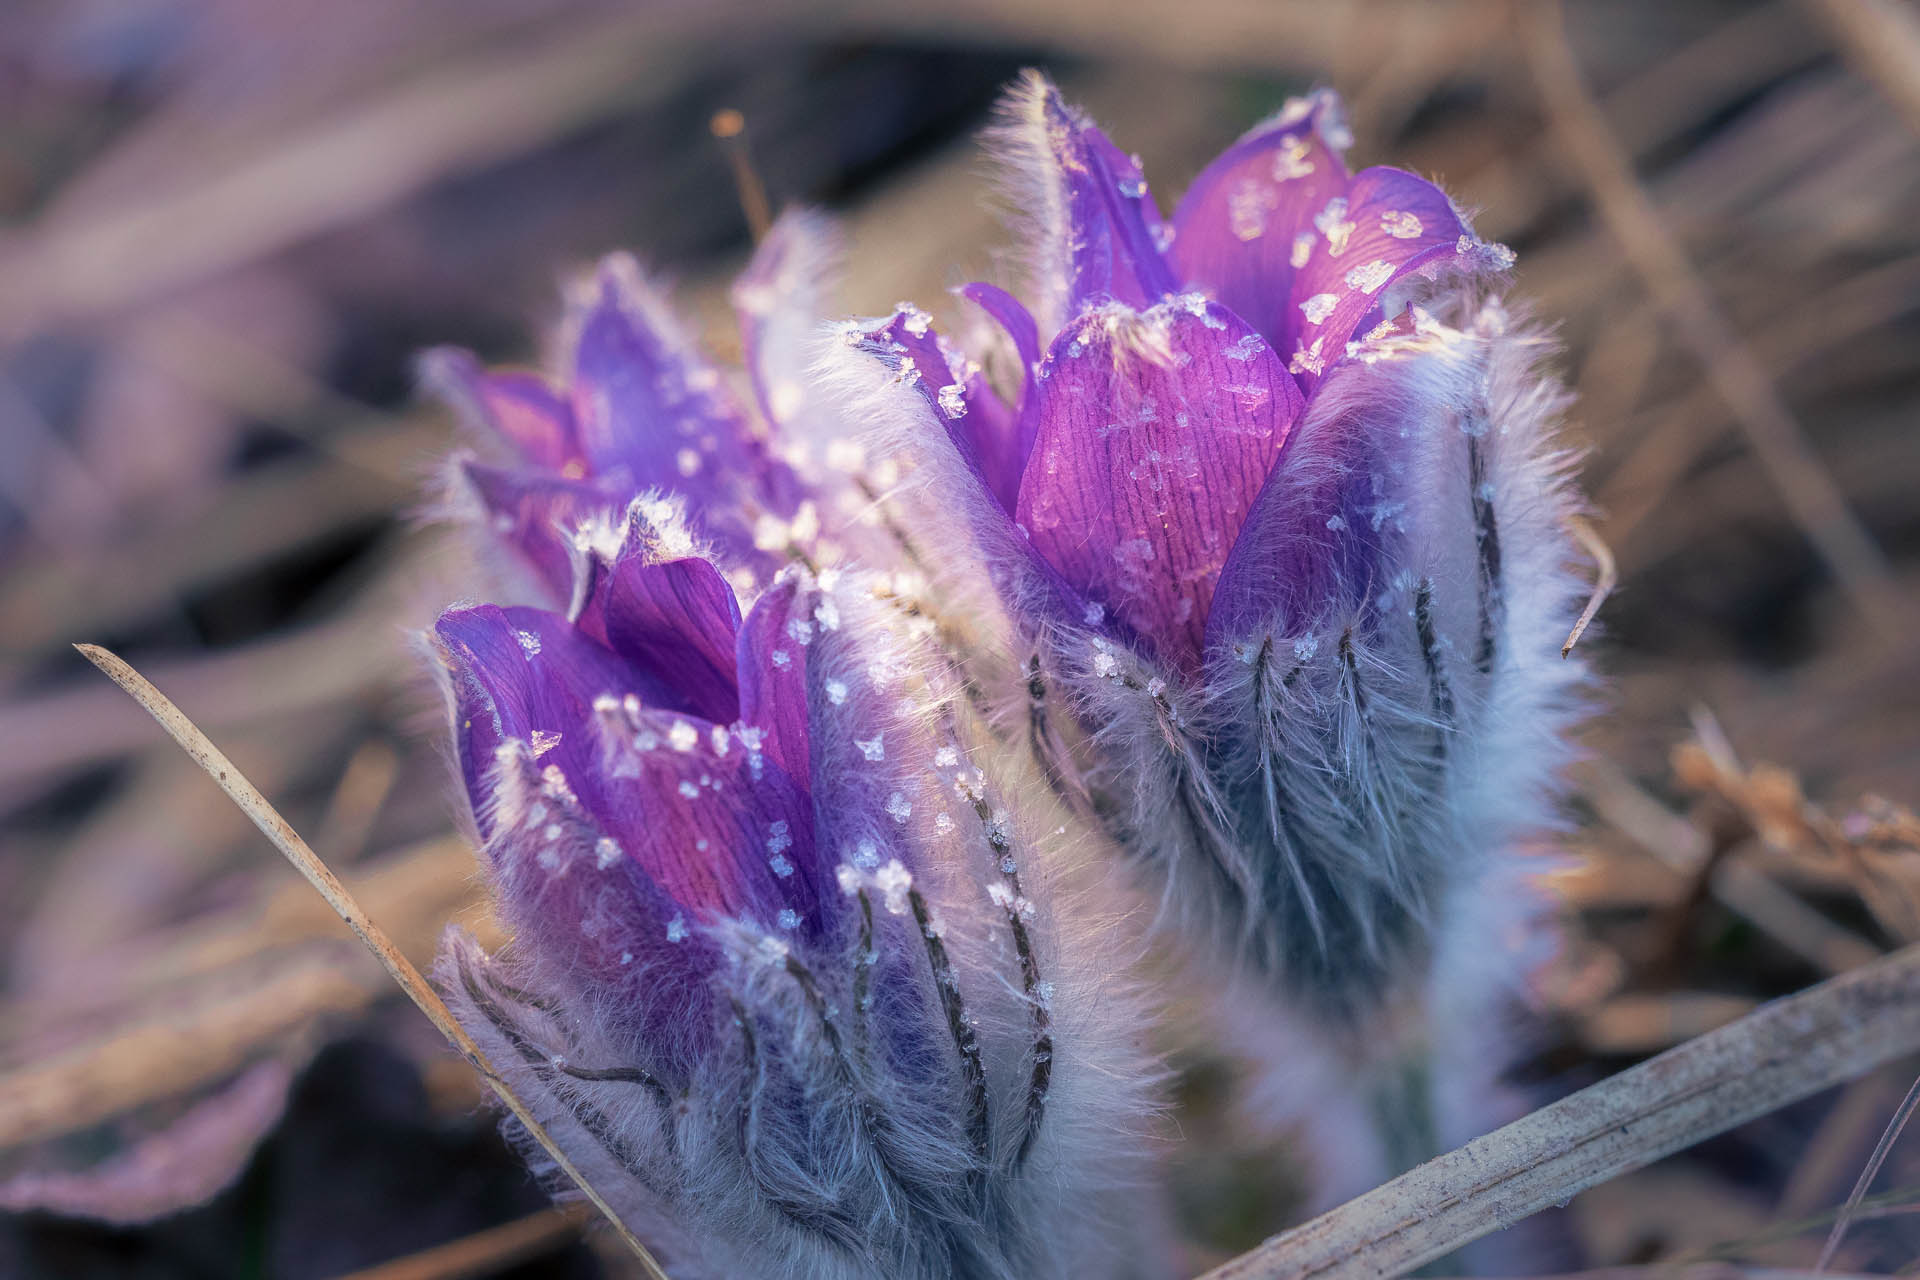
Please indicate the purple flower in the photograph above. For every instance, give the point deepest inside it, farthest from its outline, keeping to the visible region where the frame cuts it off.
(635, 407)
(1273, 507)
(783, 981)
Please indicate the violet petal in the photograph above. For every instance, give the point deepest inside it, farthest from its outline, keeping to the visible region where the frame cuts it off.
(1156, 431)
(1104, 235)
(1388, 225)
(907, 344)
(535, 513)
(652, 410)
(526, 675)
(1245, 227)
(517, 406)
(1007, 442)
(675, 619)
(774, 673)
(779, 301)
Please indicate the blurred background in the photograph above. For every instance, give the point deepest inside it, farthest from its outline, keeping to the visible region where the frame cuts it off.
(228, 226)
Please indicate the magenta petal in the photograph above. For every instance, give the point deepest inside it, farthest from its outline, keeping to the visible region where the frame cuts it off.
(517, 406)
(676, 620)
(1156, 431)
(535, 513)
(1107, 239)
(1389, 225)
(1245, 227)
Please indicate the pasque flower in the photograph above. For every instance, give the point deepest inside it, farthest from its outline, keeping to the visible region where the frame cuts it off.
(635, 406)
(783, 980)
(1271, 499)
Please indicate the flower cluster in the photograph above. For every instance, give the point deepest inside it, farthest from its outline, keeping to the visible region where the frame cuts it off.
(1277, 517)
(1264, 505)
(783, 981)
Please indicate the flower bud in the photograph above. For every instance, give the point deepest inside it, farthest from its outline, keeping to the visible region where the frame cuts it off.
(784, 981)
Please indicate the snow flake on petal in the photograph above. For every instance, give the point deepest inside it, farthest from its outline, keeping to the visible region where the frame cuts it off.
(1249, 206)
(1307, 359)
(1293, 159)
(1333, 224)
(894, 880)
(1400, 224)
(1369, 278)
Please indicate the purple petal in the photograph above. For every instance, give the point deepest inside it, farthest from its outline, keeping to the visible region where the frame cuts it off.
(1005, 439)
(774, 672)
(675, 619)
(975, 419)
(571, 785)
(724, 831)
(780, 302)
(1103, 234)
(1388, 225)
(1245, 227)
(585, 913)
(527, 675)
(1315, 542)
(652, 410)
(519, 407)
(536, 514)
(1156, 431)
(907, 344)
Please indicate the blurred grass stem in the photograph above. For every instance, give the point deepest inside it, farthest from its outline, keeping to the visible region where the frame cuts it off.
(1778, 1054)
(1811, 495)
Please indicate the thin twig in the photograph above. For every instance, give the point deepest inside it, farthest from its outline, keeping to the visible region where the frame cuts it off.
(1606, 577)
(484, 1252)
(1776, 1055)
(276, 828)
(729, 126)
(1812, 497)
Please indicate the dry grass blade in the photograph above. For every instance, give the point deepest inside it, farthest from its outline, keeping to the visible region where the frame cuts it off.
(1785, 1051)
(1851, 1209)
(276, 828)
(1810, 493)
(1881, 38)
(1606, 578)
(484, 1252)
